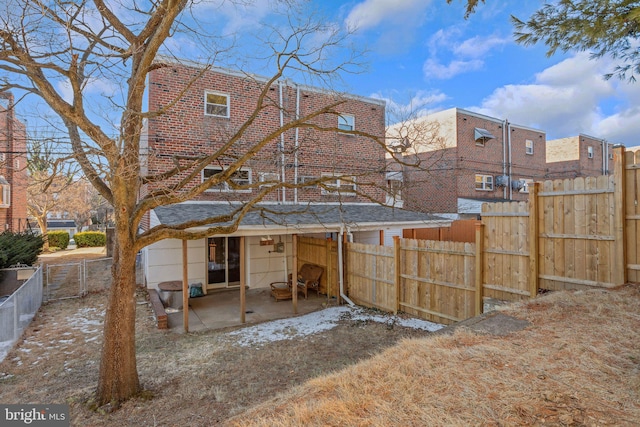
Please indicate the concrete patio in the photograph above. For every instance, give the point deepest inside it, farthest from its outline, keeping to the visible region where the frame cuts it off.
(221, 309)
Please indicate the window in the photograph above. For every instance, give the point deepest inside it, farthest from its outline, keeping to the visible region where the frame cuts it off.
(346, 122)
(481, 136)
(528, 146)
(5, 193)
(345, 186)
(306, 180)
(269, 179)
(590, 152)
(241, 177)
(484, 182)
(216, 104)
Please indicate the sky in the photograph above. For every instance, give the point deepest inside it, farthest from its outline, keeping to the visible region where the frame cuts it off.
(424, 56)
(425, 53)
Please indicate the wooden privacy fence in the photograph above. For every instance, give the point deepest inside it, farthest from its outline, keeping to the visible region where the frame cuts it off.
(571, 234)
(325, 254)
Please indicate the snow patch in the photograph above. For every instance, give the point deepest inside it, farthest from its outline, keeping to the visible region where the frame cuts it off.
(319, 321)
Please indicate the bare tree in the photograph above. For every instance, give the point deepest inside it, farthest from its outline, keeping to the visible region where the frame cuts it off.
(63, 51)
(51, 174)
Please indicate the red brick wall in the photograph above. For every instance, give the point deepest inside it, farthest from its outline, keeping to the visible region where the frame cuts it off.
(450, 173)
(583, 166)
(13, 169)
(185, 130)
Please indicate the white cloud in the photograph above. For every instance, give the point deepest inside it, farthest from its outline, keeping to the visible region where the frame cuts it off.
(570, 98)
(478, 46)
(371, 13)
(467, 55)
(433, 69)
(420, 104)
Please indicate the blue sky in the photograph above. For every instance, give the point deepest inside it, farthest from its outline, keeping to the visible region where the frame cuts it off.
(423, 55)
(427, 52)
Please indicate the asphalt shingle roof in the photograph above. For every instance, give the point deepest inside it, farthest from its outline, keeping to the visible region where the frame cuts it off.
(294, 215)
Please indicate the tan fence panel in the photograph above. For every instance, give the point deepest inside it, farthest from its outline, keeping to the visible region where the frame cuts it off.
(437, 280)
(370, 275)
(462, 230)
(325, 254)
(632, 214)
(506, 251)
(576, 232)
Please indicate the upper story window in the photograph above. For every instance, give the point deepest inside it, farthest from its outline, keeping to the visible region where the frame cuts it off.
(5, 193)
(216, 104)
(528, 146)
(268, 179)
(481, 136)
(240, 177)
(346, 122)
(484, 182)
(590, 152)
(345, 186)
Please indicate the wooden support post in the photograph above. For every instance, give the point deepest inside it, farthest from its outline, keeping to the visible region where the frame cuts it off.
(381, 237)
(397, 272)
(243, 293)
(185, 287)
(534, 239)
(619, 262)
(479, 271)
(294, 273)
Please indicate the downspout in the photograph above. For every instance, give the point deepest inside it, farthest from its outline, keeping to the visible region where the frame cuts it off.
(505, 123)
(509, 180)
(605, 158)
(296, 145)
(341, 268)
(282, 158)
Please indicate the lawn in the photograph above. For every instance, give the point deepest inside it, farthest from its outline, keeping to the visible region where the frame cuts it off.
(578, 363)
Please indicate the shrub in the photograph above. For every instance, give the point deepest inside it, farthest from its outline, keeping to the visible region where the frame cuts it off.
(59, 239)
(19, 248)
(90, 239)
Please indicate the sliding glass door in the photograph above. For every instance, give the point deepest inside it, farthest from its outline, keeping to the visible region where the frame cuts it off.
(223, 255)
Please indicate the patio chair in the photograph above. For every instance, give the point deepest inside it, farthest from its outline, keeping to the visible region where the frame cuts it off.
(308, 278)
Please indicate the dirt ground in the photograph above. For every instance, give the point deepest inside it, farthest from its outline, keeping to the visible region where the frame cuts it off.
(578, 364)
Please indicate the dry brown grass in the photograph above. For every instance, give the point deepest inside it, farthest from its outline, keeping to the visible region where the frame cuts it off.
(576, 365)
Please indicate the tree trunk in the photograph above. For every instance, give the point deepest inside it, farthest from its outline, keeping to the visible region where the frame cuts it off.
(118, 380)
(43, 231)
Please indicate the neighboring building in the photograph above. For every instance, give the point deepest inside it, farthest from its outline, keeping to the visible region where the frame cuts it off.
(462, 159)
(13, 168)
(207, 114)
(67, 225)
(578, 156)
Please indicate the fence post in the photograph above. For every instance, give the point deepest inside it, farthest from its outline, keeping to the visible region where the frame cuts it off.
(397, 271)
(533, 239)
(479, 270)
(619, 273)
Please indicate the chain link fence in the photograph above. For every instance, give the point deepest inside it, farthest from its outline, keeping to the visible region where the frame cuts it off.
(17, 310)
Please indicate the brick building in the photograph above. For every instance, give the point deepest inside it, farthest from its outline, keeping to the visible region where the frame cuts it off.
(579, 156)
(331, 168)
(466, 160)
(13, 168)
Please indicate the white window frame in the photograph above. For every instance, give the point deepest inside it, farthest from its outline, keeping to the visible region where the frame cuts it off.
(5, 189)
(343, 187)
(528, 146)
(590, 152)
(206, 104)
(346, 122)
(486, 182)
(270, 177)
(224, 186)
(305, 179)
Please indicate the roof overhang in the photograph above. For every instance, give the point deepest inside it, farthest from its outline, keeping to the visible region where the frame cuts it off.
(300, 218)
(483, 135)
